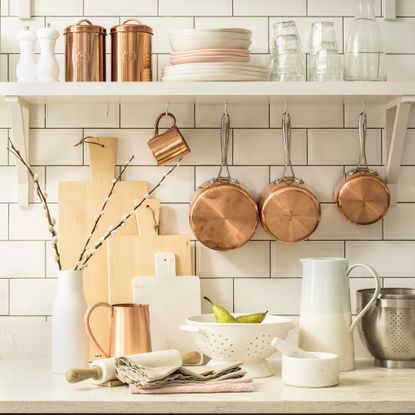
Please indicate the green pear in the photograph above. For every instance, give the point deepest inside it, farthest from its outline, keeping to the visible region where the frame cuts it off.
(222, 315)
(252, 318)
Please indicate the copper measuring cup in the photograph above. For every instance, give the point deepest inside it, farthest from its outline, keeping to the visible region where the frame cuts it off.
(223, 214)
(289, 211)
(168, 145)
(362, 197)
(129, 329)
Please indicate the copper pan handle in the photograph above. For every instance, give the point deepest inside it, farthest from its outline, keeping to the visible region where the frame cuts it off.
(224, 146)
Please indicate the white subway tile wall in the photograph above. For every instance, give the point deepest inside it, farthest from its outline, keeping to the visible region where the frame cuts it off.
(263, 274)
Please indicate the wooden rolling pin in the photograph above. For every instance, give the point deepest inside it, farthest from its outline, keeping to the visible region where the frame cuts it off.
(102, 371)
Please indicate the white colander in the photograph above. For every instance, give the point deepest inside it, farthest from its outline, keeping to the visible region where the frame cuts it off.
(231, 342)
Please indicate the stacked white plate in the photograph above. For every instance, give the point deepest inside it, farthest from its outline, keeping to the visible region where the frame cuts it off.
(195, 39)
(212, 55)
(216, 71)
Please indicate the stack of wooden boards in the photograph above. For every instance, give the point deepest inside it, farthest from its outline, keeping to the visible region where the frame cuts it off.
(130, 253)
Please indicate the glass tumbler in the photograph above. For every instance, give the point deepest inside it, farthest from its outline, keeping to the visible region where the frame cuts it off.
(287, 59)
(324, 60)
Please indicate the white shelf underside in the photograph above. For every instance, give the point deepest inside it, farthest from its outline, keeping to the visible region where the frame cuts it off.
(210, 92)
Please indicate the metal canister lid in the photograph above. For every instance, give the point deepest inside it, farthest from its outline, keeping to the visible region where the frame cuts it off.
(79, 27)
(132, 27)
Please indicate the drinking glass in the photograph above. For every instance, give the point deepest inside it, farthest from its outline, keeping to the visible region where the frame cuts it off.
(286, 56)
(324, 59)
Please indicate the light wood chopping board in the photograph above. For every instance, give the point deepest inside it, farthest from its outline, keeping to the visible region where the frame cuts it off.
(171, 300)
(131, 256)
(79, 204)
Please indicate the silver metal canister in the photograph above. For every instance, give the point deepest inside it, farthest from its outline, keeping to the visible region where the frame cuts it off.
(84, 52)
(131, 52)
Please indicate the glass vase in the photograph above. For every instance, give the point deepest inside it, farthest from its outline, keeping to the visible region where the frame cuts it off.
(364, 50)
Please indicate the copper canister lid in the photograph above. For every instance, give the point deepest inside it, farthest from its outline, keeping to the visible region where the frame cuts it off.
(364, 198)
(132, 27)
(79, 27)
(223, 215)
(289, 212)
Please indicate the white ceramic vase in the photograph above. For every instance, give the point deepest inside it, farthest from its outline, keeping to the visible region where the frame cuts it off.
(69, 338)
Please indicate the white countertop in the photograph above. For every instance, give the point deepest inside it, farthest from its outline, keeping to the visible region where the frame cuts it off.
(28, 386)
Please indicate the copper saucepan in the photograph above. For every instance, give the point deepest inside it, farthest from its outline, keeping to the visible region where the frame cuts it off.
(362, 196)
(223, 214)
(289, 211)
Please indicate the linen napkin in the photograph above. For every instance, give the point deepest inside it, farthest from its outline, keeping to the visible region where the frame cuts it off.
(130, 372)
(242, 384)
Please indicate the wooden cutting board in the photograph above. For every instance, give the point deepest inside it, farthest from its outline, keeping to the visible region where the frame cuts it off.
(131, 256)
(171, 300)
(79, 203)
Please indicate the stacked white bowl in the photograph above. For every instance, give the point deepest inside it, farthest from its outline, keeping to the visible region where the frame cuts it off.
(212, 55)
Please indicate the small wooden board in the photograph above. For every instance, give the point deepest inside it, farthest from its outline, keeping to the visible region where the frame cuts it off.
(131, 256)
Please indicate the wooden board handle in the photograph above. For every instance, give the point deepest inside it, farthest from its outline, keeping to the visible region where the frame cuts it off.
(102, 157)
(78, 375)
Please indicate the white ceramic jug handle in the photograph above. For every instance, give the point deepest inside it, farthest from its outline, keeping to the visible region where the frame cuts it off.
(375, 294)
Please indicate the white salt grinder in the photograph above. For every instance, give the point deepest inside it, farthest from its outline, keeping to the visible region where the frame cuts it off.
(47, 68)
(26, 67)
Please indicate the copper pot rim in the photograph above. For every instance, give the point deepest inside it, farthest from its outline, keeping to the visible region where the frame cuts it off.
(224, 184)
(355, 175)
(278, 187)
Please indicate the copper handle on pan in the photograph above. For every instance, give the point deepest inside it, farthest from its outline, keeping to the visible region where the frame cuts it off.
(88, 326)
(224, 147)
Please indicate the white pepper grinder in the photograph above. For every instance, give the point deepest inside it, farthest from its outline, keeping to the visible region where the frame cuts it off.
(26, 67)
(47, 68)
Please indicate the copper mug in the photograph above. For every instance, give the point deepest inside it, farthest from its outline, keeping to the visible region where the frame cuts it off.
(129, 329)
(168, 145)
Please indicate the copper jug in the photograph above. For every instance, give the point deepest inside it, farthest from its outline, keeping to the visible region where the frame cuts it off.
(129, 329)
(168, 145)
(84, 52)
(131, 52)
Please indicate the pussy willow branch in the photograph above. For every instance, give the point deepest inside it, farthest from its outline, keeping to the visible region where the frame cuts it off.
(42, 196)
(112, 229)
(99, 216)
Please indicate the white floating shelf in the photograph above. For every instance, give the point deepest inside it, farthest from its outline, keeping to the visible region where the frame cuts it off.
(209, 92)
(396, 97)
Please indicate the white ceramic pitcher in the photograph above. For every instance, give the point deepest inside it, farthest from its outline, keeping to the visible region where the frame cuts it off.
(325, 315)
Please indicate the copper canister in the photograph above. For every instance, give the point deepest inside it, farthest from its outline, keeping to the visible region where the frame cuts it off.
(131, 52)
(84, 52)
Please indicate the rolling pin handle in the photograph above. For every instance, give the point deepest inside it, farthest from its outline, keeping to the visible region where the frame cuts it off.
(78, 375)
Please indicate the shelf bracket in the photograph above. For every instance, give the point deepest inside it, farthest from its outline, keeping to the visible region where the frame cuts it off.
(19, 119)
(397, 118)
